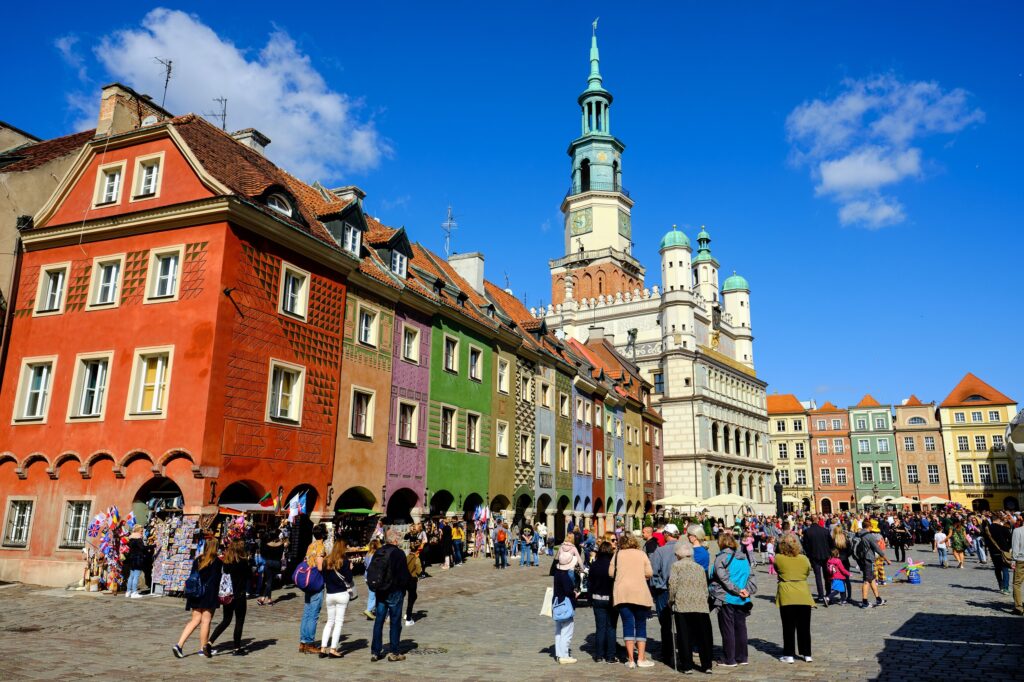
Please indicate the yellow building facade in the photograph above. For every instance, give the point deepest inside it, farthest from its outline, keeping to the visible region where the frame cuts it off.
(790, 448)
(981, 473)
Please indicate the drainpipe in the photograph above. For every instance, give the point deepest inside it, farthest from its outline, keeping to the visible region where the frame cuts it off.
(23, 223)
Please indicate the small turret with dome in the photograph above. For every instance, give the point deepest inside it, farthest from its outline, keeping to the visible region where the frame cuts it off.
(675, 261)
(735, 282)
(674, 238)
(736, 302)
(705, 268)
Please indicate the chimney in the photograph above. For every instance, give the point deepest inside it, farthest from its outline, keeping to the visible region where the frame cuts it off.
(470, 267)
(595, 334)
(348, 193)
(252, 138)
(122, 110)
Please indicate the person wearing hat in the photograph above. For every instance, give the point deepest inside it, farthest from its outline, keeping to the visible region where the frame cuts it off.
(661, 565)
(565, 588)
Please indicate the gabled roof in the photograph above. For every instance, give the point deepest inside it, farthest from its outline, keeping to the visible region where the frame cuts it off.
(377, 233)
(786, 403)
(867, 401)
(973, 391)
(31, 156)
(913, 401)
(828, 407)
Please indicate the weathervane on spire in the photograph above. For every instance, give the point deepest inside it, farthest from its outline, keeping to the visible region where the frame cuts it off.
(595, 25)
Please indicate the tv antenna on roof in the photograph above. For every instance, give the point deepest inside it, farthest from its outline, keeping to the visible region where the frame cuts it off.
(168, 65)
(222, 115)
(507, 286)
(449, 225)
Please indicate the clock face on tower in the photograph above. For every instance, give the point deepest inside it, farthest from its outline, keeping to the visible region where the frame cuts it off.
(625, 227)
(581, 221)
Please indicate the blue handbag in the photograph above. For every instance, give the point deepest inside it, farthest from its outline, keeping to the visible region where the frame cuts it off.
(561, 609)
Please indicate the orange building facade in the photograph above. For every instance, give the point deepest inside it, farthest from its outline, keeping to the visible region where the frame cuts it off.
(178, 328)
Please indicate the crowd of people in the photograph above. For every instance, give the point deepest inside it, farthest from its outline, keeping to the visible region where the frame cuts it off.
(681, 572)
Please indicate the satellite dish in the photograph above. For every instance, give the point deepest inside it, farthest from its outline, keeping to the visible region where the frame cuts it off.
(149, 120)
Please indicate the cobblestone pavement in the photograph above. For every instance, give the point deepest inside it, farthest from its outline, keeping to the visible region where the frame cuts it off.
(476, 623)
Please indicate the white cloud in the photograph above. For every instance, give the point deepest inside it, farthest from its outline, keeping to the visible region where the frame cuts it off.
(861, 141)
(316, 132)
(66, 46)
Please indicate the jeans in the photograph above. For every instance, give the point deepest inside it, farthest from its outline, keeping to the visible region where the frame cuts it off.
(133, 580)
(1002, 571)
(527, 556)
(236, 610)
(664, 611)
(942, 557)
(371, 600)
(634, 622)
(457, 550)
(819, 576)
(310, 617)
(796, 629)
(693, 628)
(388, 606)
(605, 618)
(337, 603)
(979, 547)
(270, 572)
(732, 623)
(500, 555)
(563, 637)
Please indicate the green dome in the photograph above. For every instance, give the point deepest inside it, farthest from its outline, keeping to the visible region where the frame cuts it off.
(703, 234)
(735, 283)
(674, 238)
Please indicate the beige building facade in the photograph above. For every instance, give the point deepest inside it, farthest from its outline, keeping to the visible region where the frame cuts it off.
(790, 447)
(919, 450)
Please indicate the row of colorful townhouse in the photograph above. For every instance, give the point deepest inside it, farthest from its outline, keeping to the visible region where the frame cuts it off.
(832, 459)
(190, 322)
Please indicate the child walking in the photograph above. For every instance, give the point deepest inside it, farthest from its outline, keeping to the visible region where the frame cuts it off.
(771, 557)
(839, 575)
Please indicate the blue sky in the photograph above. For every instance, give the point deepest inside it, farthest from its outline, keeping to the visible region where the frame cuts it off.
(858, 163)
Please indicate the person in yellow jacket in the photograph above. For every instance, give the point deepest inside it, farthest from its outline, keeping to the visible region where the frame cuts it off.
(458, 542)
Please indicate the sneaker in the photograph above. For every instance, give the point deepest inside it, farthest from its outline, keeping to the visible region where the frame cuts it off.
(880, 602)
(646, 663)
(630, 665)
(409, 623)
(240, 651)
(612, 661)
(727, 665)
(744, 662)
(866, 605)
(375, 657)
(369, 616)
(396, 657)
(808, 659)
(566, 660)
(786, 659)
(136, 595)
(178, 653)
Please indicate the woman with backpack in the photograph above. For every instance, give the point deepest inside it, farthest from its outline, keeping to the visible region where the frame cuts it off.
(412, 562)
(563, 607)
(732, 586)
(338, 582)
(236, 565)
(314, 600)
(201, 591)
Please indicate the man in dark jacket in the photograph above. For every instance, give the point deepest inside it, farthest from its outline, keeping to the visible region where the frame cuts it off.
(818, 547)
(999, 538)
(389, 601)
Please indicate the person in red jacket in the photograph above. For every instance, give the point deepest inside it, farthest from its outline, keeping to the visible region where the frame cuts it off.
(840, 575)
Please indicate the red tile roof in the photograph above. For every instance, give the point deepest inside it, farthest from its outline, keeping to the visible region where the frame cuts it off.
(376, 232)
(867, 401)
(784, 404)
(828, 407)
(913, 401)
(973, 391)
(32, 156)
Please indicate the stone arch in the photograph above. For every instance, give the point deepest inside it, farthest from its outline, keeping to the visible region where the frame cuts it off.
(728, 482)
(54, 470)
(441, 503)
(95, 457)
(173, 454)
(826, 505)
(355, 497)
(725, 440)
(586, 505)
(747, 441)
(400, 505)
(240, 492)
(136, 455)
(714, 436)
(31, 459)
(718, 482)
(8, 456)
(738, 442)
(576, 504)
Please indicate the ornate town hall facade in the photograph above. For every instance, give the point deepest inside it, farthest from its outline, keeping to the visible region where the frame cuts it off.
(691, 337)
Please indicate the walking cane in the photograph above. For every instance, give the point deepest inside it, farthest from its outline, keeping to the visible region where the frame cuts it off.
(675, 647)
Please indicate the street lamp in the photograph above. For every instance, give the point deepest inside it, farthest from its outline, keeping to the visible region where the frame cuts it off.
(874, 495)
(778, 496)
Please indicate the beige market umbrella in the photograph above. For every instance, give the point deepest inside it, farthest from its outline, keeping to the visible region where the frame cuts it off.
(728, 500)
(934, 499)
(679, 501)
(790, 498)
(867, 499)
(903, 500)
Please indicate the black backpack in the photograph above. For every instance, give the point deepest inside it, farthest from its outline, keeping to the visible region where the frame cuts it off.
(379, 577)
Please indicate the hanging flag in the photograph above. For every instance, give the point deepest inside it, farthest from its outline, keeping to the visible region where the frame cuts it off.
(267, 500)
(302, 502)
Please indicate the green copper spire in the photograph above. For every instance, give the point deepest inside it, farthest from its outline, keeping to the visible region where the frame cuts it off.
(703, 246)
(594, 82)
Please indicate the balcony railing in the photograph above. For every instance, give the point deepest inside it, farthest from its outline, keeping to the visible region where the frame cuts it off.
(597, 187)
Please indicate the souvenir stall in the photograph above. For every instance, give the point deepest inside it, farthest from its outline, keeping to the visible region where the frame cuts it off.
(176, 538)
(356, 527)
(108, 534)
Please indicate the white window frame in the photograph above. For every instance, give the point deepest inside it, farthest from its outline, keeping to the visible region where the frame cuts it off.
(960, 417)
(579, 459)
(980, 443)
(780, 425)
(473, 422)
(933, 474)
(784, 476)
(967, 473)
(63, 541)
(783, 451)
(879, 423)
(476, 369)
(351, 239)
(414, 425)
(588, 468)
(280, 203)
(837, 424)
(298, 391)
(138, 175)
(822, 425)
(913, 475)
(863, 446)
(883, 470)
(374, 330)
(501, 430)
(882, 445)
(544, 454)
(74, 413)
(929, 443)
(825, 476)
(454, 367)
(96, 282)
(976, 416)
(657, 438)
(135, 386)
(399, 264)
(153, 276)
(5, 540)
(657, 473)
(841, 476)
(525, 448)
(801, 476)
(414, 357)
(563, 404)
(870, 478)
(302, 298)
(371, 406)
(998, 443)
(822, 446)
(993, 415)
(42, 288)
(453, 435)
(1002, 473)
(504, 373)
(24, 380)
(984, 473)
(862, 424)
(908, 444)
(101, 183)
(963, 444)
(798, 425)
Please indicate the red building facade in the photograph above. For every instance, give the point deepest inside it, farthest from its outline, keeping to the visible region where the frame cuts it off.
(177, 328)
(831, 459)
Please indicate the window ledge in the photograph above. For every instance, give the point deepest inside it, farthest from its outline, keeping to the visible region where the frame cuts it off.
(284, 421)
(147, 195)
(101, 204)
(406, 443)
(361, 436)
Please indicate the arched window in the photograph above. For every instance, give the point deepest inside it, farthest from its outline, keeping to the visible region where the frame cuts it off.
(714, 437)
(916, 421)
(615, 174)
(280, 204)
(585, 175)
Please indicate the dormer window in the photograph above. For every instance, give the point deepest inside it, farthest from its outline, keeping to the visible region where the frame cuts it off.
(280, 204)
(351, 239)
(399, 263)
